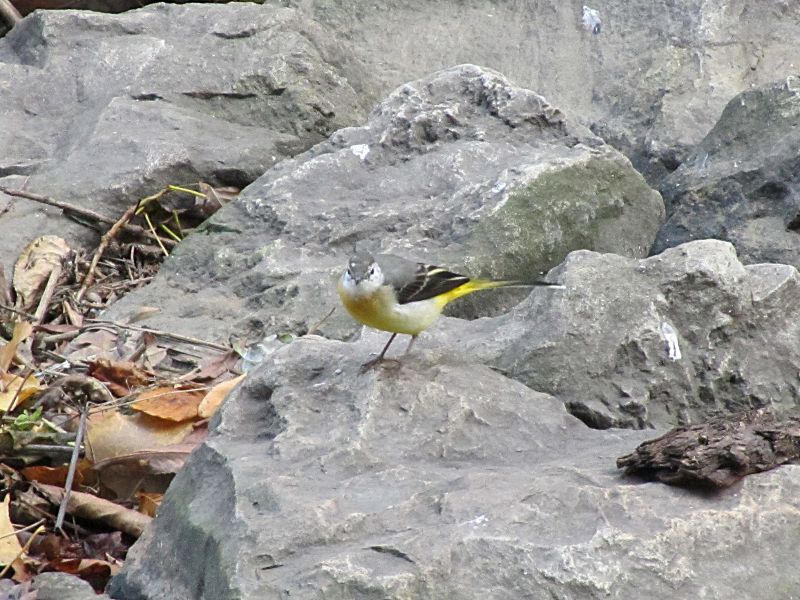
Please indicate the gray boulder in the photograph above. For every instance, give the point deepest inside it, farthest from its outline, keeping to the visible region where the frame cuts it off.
(652, 83)
(742, 182)
(602, 345)
(63, 586)
(440, 479)
(101, 110)
(461, 168)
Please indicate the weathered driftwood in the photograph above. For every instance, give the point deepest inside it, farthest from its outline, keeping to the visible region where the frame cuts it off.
(719, 452)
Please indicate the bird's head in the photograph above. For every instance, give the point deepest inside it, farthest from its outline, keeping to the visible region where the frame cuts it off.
(363, 275)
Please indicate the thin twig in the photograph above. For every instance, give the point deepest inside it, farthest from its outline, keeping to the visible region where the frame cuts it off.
(54, 427)
(47, 294)
(26, 528)
(5, 290)
(154, 234)
(9, 12)
(171, 233)
(18, 312)
(177, 188)
(73, 465)
(319, 323)
(104, 242)
(48, 515)
(174, 336)
(61, 337)
(13, 404)
(22, 550)
(84, 212)
(46, 449)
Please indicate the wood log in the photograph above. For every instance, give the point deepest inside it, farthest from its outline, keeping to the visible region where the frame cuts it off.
(719, 452)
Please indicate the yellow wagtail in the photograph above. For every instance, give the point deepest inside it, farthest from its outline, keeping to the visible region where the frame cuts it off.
(396, 295)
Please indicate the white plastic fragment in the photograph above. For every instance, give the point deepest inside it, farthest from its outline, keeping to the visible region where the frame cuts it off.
(591, 20)
(671, 340)
(360, 150)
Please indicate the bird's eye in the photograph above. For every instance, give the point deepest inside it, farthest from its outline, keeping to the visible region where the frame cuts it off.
(371, 272)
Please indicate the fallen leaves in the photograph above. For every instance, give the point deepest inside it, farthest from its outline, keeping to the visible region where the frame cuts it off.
(10, 547)
(22, 330)
(145, 395)
(170, 403)
(84, 474)
(15, 390)
(119, 376)
(92, 508)
(138, 452)
(42, 258)
(214, 398)
(95, 558)
(110, 434)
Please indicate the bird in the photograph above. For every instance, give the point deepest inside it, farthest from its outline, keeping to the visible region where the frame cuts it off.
(400, 296)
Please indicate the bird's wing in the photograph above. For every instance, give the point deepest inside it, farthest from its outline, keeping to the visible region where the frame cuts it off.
(413, 282)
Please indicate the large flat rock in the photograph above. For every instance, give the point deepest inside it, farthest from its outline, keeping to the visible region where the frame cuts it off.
(440, 479)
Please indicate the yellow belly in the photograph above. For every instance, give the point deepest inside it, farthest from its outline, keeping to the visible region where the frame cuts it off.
(381, 311)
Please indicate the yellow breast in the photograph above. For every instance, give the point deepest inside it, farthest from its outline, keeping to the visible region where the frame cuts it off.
(382, 311)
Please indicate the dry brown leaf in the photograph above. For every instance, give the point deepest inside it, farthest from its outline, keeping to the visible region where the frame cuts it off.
(216, 366)
(92, 508)
(95, 571)
(105, 545)
(149, 503)
(154, 356)
(16, 390)
(85, 568)
(22, 330)
(5, 291)
(84, 474)
(24, 571)
(33, 268)
(216, 198)
(9, 544)
(110, 434)
(142, 313)
(160, 462)
(172, 404)
(120, 376)
(216, 395)
(94, 343)
(73, 316)
(149, 471)
(56, 328)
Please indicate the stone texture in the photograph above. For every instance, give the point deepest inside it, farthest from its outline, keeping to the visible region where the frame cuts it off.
(461, 168)
(441, 479)
(63, 586)
(101, 110)
(652, 83)
(600, 345)
(742, 182)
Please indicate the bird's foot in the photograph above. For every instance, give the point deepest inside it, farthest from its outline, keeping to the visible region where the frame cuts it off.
(380, 360)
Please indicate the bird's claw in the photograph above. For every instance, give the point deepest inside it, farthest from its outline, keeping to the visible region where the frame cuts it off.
(380, 360)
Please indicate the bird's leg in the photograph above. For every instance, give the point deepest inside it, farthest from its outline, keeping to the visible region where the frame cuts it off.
(371, 363)
(386, 347)
(410, 343)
